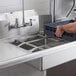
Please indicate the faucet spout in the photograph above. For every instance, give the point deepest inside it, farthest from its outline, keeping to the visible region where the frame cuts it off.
(23, 16)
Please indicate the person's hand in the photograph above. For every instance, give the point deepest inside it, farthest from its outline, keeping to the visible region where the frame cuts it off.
(59, 32)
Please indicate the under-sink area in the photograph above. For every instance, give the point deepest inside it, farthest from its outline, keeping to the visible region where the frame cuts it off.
(39, 42)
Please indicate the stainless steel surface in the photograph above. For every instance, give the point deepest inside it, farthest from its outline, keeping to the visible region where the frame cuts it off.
(23, 14)
(53, 11)
(61, 9)
(45, 41)
(14, 26)
(38, 43)
(71, 9)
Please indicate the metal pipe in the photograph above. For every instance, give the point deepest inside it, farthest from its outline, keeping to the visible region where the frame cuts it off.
(23, 13)
(71, 8)
(53, 13)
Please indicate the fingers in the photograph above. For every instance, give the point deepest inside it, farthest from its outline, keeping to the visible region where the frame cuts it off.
(58, 34)
(59, 31)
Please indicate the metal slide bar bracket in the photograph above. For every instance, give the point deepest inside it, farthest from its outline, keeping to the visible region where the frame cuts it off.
(71, 8)
(54, 8)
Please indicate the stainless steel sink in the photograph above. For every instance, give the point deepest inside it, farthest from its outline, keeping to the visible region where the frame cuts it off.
(38, 43)
(27, 43)
(50, 42)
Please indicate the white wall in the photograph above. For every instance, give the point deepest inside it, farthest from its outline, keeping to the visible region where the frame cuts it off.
(41, 6)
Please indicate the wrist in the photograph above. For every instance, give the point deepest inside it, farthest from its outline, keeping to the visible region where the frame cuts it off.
(61, 27)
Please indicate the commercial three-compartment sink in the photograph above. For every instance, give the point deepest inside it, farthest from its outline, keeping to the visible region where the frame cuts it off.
(38, 43)
(36, 47)
(43, 51)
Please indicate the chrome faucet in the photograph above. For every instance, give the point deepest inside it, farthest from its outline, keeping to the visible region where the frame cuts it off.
(23, 18)
(15, 26)
(28, 24)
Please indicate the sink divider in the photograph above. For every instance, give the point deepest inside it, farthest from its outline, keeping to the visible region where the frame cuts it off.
(29, 43)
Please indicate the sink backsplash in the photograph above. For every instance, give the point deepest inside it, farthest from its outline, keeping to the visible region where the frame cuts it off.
(22, 32)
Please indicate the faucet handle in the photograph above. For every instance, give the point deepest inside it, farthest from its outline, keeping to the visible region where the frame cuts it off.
(16, 23)
(30, 22)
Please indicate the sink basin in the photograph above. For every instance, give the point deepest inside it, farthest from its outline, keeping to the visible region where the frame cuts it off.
(33, 38)
(27, 47)
(49, 43)
(26, 44)
(38, 43)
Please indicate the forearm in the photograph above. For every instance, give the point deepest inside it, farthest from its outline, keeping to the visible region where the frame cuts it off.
(69, 28)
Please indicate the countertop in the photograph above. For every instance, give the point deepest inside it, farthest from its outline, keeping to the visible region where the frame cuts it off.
(11, 55)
